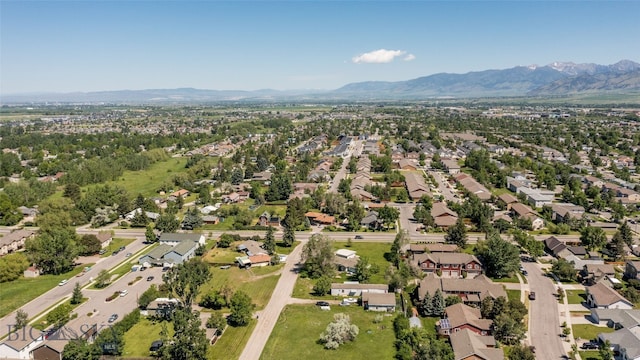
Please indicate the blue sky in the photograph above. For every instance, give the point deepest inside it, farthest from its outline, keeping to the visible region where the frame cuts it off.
(63, 46)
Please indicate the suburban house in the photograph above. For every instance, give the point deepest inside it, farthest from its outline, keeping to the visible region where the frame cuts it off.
(105, 239)
(593, 273)
(317, 218)
(20, 343)
(562, 213)
(448, 264)
(14, 241)
(626, 339)
(507, 200)
(346, 260)
(416, 186)
(267, 219)
(251, 247)
(174, 239)
(468, 345)
(461, 316)
(471, 186)
(523, 211)
(538, 198)
(183, 193)
(442, 215)
(471, 290)
(357, 289)
(632, 270)
(54, 344)
(602, 296)
(49, 350)
(451, 166)
(432, 248)
(379, 302)
(260, 260)
(408, 164)
(371, 221)
(131, 214)
(210, 219)
(166, 255)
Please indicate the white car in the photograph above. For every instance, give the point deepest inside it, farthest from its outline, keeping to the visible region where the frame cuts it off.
(124, 292)
(63, 282)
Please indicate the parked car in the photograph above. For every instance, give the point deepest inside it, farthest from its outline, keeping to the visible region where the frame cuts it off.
(128, 254)
(590, 345)
(121, 248)
(113, 318)
(359, 237)
(532, 295)
(322, 303)
(149, 278)
(62, 282)
(525, 273)
(102, 251)
(225, 267)
(124, 292)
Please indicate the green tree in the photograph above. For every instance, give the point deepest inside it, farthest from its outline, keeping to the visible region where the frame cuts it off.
(338, 332)
(317, 256)
(79, 348)
(438, 303)
(103, 278)
(452, 300)
(388, 215)
(457, 234)
(397, 248)
(593, 237)
(189, 340)
(184, 280)
(364, 269)
(520, 352)
(76, 296)
(625, 234)
(167, 222)
(9, 214)
(426, 305)
(564, 270)
(148, 296)
(59, 315)
(140, 219)
(269, 244)
(149, 235)
(22, 319)
(500, 258)
(241, 309)
(89, 245)
(355, 214)
(507, 330)
(54, 250)
(322, 286)
(216, 321)
(288, 237)
(605, 351)
(616, 246)
(12, 266)
(192, 219)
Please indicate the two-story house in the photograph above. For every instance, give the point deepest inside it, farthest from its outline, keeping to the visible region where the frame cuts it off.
(448, 264)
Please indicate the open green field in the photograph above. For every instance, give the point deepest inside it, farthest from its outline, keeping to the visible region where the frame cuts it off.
(231, 343)
(14, 294)
(139, 338)
(147, 182)
(297, 331)
(576, 296)
(258, 282)
(374, 252)
(589, 332)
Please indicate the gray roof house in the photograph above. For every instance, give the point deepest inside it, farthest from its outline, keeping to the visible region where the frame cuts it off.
(379, 302)
(181, 252)
(174, 239)
(468, 345)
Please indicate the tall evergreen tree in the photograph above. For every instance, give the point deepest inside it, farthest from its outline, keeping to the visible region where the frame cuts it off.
(289, 236)
(269, 244)
(457, 234)
(438, 303)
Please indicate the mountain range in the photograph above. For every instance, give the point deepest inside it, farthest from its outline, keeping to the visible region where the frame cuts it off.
(556, 79)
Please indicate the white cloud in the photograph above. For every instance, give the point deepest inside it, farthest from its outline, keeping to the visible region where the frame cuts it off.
(409, 57)
(381, 56)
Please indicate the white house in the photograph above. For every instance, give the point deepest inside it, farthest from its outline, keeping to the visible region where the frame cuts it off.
(357, 289)
(19, 344)
(602, 296)
(174, 239)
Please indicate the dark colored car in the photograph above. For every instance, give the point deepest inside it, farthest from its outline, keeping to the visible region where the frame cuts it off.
(149, 278)
(322, 303)
(359, 237)
(113, 318)
(532, 295)
(590, 345)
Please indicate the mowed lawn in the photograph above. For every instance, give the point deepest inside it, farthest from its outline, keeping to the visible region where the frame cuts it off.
(589, 332)
(139, 338)
(374, 252)
(258, 283)
(576, 296)
(14, 294)
(147, 182)
(513, 295)
(299, 327)
(231, 343)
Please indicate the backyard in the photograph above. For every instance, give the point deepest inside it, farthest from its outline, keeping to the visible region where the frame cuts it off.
(576, 296)
(297, 331)
(139, 338)
(589, 332)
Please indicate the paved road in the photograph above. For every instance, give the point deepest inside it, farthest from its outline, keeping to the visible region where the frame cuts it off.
(544, 320)
(56, 294)
(443, 187)
(268, 317)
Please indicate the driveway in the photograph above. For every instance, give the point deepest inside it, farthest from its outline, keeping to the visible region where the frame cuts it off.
(544, 319)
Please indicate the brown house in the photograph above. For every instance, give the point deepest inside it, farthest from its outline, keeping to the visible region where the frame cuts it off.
(461, 316)
(448, 264)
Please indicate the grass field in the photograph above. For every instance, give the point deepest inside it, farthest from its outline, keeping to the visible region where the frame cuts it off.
(231, 343)
(147, 182)
(139, 338)
(16, 293)
(513, 295)
(576, 296)
(258, 283)
(115, 245)
(374, 252)
(511, 279)
(297, 331)
(589, 332)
